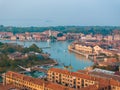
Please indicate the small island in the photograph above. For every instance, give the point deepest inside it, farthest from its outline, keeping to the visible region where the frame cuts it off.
(12, 55)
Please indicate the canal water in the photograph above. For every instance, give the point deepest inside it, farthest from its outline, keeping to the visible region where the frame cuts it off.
(59, 51)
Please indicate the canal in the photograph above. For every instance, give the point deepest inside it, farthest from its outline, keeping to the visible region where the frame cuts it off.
(59, 52)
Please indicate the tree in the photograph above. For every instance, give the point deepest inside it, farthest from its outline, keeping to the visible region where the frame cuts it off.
(1, 44)
(59, 34)
(35, 48)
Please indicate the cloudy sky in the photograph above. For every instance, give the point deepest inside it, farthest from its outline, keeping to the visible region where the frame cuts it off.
(60, 12)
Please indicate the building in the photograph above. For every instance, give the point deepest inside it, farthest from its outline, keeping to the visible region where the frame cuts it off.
(89, 49)
(83, 48)
(59, 79)
(110, 38)
(24, 82)
(109, 52)
(51, 33)
(117, 37)
(81, 80)
(17, 56)
(99, 37)
(8, 87)
(63, 38)
(71, 79)
(21, 36)
(5, 34)
(97, 49)
(28, 37)
(40, 37)
(14, 38)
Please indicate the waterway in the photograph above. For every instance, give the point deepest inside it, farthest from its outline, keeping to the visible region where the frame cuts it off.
(59, 51)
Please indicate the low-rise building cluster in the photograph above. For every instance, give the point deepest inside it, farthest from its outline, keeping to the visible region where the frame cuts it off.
(17, 56)
(60, 79)
(85, 79)
(102, 53)
(23, 82)
(44, 36)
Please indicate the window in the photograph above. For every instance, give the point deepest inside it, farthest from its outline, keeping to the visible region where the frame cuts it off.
(78, 86)
(86, 85)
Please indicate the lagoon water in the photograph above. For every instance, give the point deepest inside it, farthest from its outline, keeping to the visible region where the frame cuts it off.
(59, 51)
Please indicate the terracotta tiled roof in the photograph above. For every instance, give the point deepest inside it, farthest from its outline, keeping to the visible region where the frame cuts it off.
(14, 74)
(59, 70)
(105, 76)
(102, 78)
(75, 74)
(37, 81)
(83, 71)
(92, 87)
(57, 86)
(7, 87)
(26, 78)
(114, 83)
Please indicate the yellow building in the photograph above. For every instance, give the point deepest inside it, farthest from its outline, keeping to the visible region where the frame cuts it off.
(70, 79)
(28, 83)
(80, 81)
(88, 49)
(97, 49)
(59, 79)
(115, 85)
(83, 48)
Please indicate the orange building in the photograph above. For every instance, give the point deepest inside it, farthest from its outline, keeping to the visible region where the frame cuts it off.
(80, 80)
(71, 79)
(59, 79)
(24, 82)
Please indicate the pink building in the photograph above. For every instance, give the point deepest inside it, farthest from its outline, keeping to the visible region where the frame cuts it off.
(117, 37)
(99, 37)
(6, 34)
(13, 38)
(110, 37)
(50, 32)
(63, 38)
(40, 37)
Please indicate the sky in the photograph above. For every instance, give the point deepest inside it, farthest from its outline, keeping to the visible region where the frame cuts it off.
(60, 12)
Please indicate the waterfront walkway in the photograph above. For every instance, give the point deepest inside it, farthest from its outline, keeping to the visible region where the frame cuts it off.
(84, 54)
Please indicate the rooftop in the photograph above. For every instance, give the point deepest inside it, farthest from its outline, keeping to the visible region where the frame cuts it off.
(37, 81)
(104, 77)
